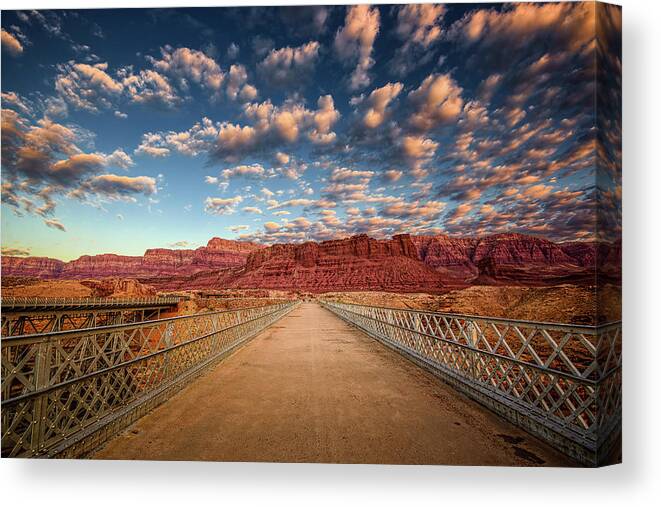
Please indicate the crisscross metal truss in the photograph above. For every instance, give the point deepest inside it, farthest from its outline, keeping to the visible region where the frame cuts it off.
(64, 393)
(561, 382)
(17, 323)
(19, 302)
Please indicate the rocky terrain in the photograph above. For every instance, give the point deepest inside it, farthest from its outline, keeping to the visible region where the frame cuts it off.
(106, 287)
(402, 264)
(517, 259)
(218, 254)
(357, 263)
(569, 304)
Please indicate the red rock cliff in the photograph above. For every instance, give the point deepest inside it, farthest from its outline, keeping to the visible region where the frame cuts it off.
(403, 263)
(356, 263)
(39, 267)
(513, 258)
(156, 262)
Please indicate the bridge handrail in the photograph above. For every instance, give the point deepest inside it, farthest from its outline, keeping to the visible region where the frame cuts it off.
(557, 377)
(63, 393)
(53, 335)
(24, 301)
(549, 324)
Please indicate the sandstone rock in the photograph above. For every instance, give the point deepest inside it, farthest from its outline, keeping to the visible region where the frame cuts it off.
(41, 267)
(404, 263)
(218, 254)
(118, 288)
(515, 258)
(356, 263)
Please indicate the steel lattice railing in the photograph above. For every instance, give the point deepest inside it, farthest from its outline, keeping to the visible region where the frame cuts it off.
(560, 382)
(37, 302)
(64, 393)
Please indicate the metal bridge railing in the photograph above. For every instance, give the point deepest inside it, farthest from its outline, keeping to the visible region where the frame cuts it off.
(37, 302)
(560, 382)
(65, 393)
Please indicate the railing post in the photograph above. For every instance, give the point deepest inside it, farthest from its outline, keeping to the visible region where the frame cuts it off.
(472, 340)
(40, 405)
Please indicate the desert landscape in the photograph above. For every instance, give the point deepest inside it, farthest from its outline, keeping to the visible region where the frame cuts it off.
(326, 209)
(512, 276)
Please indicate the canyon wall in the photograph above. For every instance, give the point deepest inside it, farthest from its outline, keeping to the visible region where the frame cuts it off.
(404, 263)
(161, 262)
(356, 263)
(517, 259)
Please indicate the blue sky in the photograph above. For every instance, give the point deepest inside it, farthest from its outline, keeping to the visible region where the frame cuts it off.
(130, 129)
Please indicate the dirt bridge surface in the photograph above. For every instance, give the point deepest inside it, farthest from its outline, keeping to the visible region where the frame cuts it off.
(313, 389)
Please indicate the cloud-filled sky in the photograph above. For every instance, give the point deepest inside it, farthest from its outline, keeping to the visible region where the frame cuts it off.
(129, 129)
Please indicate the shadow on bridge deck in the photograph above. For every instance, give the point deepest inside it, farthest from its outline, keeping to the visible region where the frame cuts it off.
(313, 389)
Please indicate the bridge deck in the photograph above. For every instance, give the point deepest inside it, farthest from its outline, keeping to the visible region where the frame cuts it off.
(313, 389)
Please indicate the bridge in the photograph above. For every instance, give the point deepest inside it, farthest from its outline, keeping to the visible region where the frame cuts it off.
(328, 382)
(33, 315)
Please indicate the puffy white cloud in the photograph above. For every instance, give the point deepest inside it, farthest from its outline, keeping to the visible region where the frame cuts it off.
(378, 102)
(286, 125)
(489, 87)
(418, 150)
(248, 93)
(190, 65)
(54, 223)
(571, 25)
(42, 161)
(56, 107)
(238, 228)
(289, 65)
(150, 87)
(392, 175)
(200, 138)
(430, 210)
(514, 115)
(87, 87)
(324, 119)
(12, 99)
(114, 186)
(153, 145)
(221, 206)
(475, 114)
(291, 203)
(282, 158)
(276, 125)
(119, 158)
(344, 174)
(418, 25)
(437, 101)
(418, 147)
(237, 77)
(180, 244)
(355, 42)
(235, 138)
(247, 171)
(252, 209)
(10, 43)
(15, 251)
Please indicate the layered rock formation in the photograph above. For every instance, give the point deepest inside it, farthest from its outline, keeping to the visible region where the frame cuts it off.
(356, 263)
(161, 262)
(404, 263)
(517, 259)
(39, 267)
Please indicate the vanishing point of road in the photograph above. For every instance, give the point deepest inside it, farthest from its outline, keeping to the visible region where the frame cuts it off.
(311, 388)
